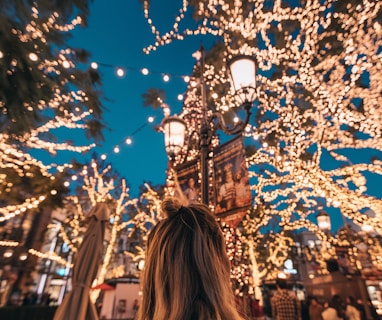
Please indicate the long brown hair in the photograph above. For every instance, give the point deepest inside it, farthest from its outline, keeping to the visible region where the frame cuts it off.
(187, 271)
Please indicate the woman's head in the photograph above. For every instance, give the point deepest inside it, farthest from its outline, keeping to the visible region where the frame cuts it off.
(187, 270)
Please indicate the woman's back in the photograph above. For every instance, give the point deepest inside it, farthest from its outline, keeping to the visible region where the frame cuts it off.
(187, 271)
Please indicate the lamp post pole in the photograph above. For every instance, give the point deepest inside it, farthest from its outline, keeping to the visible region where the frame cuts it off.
(242, 74)
(204, 135)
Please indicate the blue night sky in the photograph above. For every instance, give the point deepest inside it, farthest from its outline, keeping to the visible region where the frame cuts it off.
(116, 34)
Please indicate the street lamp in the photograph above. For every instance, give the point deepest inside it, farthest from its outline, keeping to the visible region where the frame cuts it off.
(323, 221)
(242, 75)
(174, 133)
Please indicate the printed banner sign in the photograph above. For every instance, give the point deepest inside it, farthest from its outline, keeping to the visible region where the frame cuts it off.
(343, 260)
(232, 189)
(188, 178)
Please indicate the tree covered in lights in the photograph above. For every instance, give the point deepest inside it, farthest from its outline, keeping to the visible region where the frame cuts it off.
(142, 218)
(48, 98)
(131, 219)
(96, 183)
(315, 137)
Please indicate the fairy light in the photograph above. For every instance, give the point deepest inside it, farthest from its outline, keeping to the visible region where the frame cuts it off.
(120, 72)
(21, 162)
(337, 111)
(50, 256)
(33, 56)
(9, 243)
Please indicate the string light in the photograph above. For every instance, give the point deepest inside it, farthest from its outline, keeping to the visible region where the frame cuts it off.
(323, 102)
(129, 139)
(120, 72)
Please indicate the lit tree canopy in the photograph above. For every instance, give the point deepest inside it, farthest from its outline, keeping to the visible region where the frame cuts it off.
(41, 78)
(46, 88)
(317, 118)
(47, 96)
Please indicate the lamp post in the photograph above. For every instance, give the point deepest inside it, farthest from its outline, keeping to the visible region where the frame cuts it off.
(323, 221)
(242, 75)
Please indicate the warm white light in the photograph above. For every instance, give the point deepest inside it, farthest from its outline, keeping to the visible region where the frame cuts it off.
(242, 73)
(66, 64)
(33, 56)
(94, 65)
(116, 149)
(74, 178)
(323, 221)
(53, 192)
(166, 110)
(145, 71)
(141, 265)
(180, 97)
(1, 54)
(166, 78)
(186, 79)
(129, 141)
(23, 256)
(8, 253)
(120, 72)
(174, 132)
(103, 156)
(367, 228)
(66, 184)
(150, 119)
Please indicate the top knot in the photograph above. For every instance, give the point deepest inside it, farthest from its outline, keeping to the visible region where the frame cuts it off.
(171, 206)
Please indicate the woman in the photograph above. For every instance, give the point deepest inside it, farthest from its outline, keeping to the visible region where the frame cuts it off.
(352, 312)
(187, 271)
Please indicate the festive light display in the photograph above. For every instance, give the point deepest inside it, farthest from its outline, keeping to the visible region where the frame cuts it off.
(98, 186)
(47, 97)
(317, 118)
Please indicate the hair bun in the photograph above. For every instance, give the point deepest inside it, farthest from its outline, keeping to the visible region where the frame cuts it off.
(171, 206)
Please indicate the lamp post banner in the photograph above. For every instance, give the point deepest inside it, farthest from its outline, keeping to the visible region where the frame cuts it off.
(189, 181)
(345, 265)
(232, 189)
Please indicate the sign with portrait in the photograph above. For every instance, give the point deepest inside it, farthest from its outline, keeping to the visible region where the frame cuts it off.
(232, 189)
(343, 260)
(188, 178)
